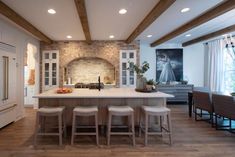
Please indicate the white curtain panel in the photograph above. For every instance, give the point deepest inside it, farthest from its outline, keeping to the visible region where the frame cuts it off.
(214, 61)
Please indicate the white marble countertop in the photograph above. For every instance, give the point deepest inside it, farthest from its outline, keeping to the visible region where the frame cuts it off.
(103, 93)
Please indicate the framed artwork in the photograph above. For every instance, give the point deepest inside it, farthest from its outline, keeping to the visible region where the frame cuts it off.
(169, 65)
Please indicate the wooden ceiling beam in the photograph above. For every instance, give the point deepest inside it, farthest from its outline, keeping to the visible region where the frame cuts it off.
(19, 20)
(209, 15)
(81, 9)
(158, 9)
(210, 35)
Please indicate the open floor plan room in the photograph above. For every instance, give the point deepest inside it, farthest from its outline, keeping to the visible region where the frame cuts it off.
(117, 78)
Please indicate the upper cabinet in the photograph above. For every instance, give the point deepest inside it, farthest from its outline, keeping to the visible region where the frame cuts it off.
(50, 69)
(127, 76)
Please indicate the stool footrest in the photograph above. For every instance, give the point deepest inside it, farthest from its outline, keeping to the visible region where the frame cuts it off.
(121, 133)
(48, 134)
(85, 127)
(119, 126)
(158, 133)
(84, 133)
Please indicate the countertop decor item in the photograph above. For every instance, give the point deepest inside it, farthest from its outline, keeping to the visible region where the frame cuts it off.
(64, 90)
(149, 85)
(140, 70)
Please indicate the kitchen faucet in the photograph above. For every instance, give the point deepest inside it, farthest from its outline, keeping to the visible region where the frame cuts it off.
(99, 85)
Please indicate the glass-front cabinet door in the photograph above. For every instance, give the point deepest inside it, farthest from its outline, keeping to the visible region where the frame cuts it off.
(50, 69)
(127, 76)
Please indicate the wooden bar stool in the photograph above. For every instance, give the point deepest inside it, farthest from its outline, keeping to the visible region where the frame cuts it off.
(159, 112)
(44, 112)
(85, 111)
(120, 111)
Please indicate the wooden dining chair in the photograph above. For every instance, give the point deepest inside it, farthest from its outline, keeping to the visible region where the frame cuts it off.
(203, 102)
(224, 106)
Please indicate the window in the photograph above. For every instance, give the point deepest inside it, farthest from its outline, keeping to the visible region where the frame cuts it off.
(229, 69)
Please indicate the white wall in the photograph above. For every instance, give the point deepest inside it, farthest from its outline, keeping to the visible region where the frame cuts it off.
(194, 64)
(193, 61)
(10, 34)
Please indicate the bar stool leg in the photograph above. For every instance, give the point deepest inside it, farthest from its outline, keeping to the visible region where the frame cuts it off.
(60, 128)
(64, 126)
(109, 128)
(133, 128)
(73, 128)
(36, 130)
(97, 129)
(140, 124)
(169, 127)
(146, 129)
(129, 119)
(161, 120)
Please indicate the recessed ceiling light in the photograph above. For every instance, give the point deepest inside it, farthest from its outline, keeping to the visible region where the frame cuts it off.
(149, 36)
(122, 11)
(111, 36)
(69, 36)
(184, 10)
(188, 35)
(51, 11)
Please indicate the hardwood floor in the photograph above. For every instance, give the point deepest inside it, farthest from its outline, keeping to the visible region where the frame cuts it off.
(194, 139)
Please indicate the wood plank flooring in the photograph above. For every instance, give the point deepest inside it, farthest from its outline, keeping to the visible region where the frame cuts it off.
(191, 139)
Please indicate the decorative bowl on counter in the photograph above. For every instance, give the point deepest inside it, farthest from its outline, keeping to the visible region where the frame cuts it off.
(64, 90)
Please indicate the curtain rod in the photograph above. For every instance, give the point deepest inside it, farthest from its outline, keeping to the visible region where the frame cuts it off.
(217, 39)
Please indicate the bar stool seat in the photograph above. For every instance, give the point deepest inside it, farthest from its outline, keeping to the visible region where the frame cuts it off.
(81, 110)
(156, 110)
(85, 111)
(160, 112)
(117, 110)
(49, 112)
(120, 111)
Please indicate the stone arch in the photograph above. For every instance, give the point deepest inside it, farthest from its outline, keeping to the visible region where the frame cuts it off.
(87, 69)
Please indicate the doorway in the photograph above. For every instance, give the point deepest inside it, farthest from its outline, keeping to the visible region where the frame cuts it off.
(30, 75)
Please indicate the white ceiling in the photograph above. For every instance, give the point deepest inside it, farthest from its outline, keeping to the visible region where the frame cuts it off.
(58, 26)
(104, 19)
(173, 18)
(213, 25)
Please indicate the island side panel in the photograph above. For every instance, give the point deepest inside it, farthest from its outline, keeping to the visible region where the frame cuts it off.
(102, 104)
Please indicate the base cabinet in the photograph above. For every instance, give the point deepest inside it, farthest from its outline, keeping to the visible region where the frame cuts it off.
(7, 115)
(180, 92)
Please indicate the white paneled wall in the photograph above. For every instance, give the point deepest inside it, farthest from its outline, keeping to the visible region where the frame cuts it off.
(10, 34)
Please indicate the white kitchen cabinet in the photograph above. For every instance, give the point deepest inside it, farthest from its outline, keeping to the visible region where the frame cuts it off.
(127, 76)
(50, 69)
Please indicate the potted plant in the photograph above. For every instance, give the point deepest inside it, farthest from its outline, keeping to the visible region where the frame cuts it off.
(140, 70)
(149, 85)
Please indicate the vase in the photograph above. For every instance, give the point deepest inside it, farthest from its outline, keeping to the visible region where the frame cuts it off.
(140, 82)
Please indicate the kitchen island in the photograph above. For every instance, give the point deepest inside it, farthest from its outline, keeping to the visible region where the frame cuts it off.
(102, 99)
